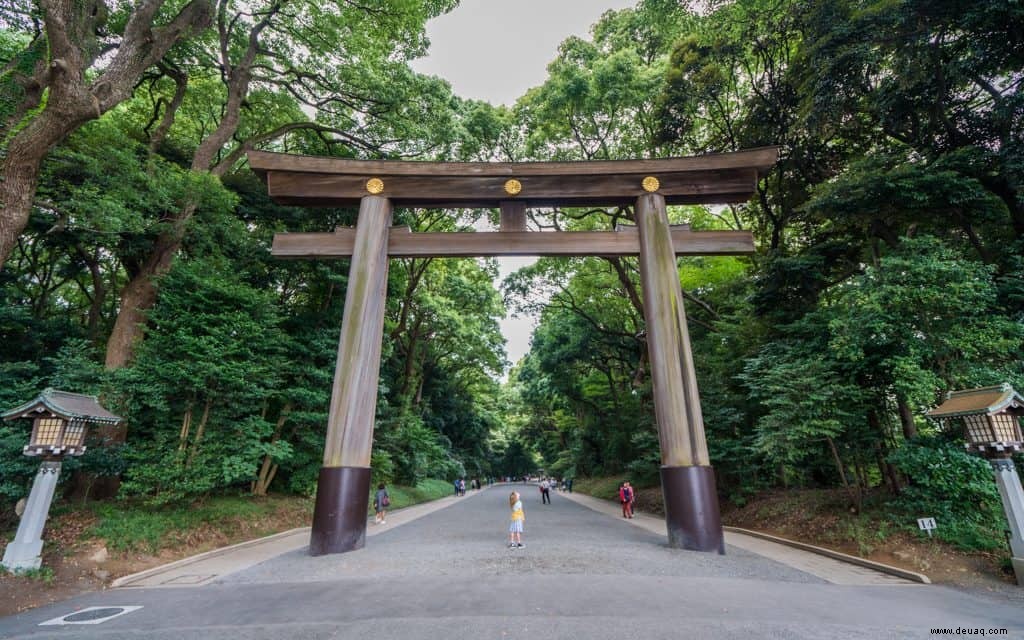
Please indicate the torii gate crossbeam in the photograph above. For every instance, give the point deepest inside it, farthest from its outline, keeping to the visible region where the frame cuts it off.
(688, 482)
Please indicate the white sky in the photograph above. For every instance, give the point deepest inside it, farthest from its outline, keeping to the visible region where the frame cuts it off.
(495, 50)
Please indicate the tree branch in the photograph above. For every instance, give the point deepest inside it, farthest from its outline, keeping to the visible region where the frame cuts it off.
(180, 85)
(224, 165)
(143, 45)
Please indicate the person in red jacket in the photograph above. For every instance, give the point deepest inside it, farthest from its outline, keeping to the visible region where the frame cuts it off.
(631, 494)
(626, 500)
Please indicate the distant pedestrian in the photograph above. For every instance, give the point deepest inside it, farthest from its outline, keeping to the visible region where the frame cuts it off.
(462, 486)
(545, 491)
(515, 527)
(625, 499)
(632, 498)
(381, 502)
(456, 485)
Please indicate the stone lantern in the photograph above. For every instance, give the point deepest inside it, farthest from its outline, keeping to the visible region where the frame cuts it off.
(60, 421)
(990, 419)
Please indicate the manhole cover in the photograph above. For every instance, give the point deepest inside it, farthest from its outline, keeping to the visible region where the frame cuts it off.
(91, 615)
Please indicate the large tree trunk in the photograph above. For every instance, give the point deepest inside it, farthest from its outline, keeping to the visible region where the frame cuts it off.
(140, 293)
(71, 27)
(20, 173)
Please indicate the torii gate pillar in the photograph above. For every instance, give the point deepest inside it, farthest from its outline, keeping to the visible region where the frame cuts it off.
(343, 488)
(687, 479)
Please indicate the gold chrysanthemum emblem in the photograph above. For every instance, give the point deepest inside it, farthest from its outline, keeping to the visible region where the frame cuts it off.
(375, 185)
(513, 187)
(651, 184)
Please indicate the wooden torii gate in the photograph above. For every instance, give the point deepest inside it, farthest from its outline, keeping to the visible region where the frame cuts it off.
(688, 482)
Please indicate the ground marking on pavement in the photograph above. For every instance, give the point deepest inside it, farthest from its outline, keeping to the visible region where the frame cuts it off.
(190, 579)
(91, 615)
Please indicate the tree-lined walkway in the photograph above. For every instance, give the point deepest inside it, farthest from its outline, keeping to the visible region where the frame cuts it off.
(582, 574)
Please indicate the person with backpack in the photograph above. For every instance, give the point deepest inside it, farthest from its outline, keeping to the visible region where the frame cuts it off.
(381, 502)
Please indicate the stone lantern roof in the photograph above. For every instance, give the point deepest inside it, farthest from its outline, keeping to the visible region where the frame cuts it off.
(983, 401)
(989, 417)
(64, 404)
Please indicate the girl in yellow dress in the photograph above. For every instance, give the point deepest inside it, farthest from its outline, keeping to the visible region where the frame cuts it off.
(515, 527)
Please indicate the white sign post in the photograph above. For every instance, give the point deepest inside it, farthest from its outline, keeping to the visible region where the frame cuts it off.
(926, 524)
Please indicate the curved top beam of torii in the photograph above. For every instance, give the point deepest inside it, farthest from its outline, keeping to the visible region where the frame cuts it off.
(718, 178)
(709, 179)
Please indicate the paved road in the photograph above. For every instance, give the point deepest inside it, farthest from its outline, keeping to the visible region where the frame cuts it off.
(582, 574)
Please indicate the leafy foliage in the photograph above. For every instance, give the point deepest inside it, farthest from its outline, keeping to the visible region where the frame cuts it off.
(954, 488)
(213, 354)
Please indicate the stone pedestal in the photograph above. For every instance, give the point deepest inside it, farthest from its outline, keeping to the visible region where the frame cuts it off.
(339, 515)
(1013, 504)
(26, 550)
(691, 509)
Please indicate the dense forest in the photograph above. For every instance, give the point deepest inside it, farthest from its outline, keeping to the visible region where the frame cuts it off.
(134, 242)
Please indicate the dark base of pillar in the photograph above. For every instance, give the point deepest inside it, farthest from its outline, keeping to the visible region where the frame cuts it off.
(339, 517)
(691, 509)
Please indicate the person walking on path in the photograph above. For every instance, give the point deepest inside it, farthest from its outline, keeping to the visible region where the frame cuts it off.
(381, 502)
(545, 491)
(515, 526)
(626, 499)
(632, 498)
